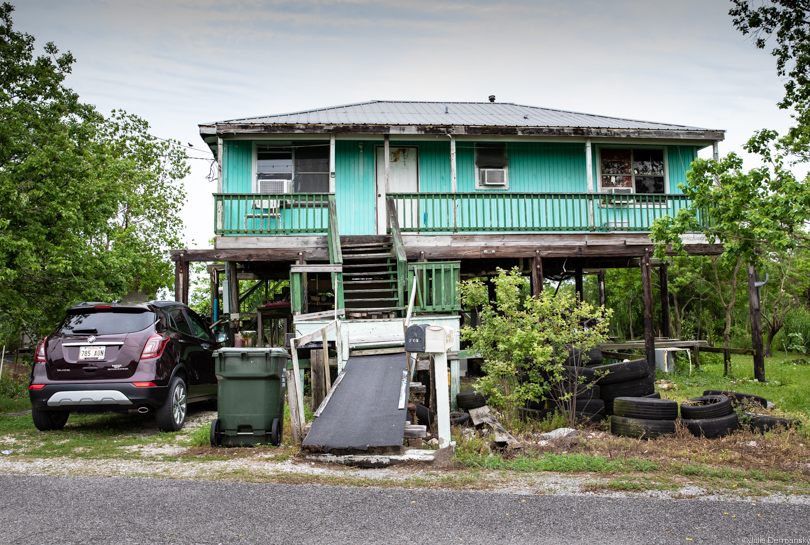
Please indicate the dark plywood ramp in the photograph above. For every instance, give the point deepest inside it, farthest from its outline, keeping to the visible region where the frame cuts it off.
(363, 412)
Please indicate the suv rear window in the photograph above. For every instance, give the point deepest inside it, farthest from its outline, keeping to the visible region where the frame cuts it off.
(105, 321)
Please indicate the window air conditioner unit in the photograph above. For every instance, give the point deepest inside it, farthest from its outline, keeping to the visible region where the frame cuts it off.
(272, 187)
(622, 224)
(275, 187)
(493, 177)
(621, 191)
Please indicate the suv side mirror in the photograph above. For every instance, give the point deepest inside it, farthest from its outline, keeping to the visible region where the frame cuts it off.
(222, 337)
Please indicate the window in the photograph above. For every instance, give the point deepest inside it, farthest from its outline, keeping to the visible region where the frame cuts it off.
(197, 326)
(298, 168)
(491, 166)
(632, 170)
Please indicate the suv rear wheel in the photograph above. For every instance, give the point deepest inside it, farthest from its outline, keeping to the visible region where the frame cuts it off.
(172, 414)
(49, 420)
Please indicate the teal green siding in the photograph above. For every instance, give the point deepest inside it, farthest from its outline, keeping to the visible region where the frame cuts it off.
(354, 187)
(533, 167)
(679, 159)
(237, 166)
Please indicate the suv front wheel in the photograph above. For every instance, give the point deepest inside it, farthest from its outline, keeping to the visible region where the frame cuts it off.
(172, 414)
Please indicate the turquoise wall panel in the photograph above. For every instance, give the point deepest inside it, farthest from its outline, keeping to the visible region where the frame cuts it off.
(533, 167)
(237, 166)
(354, 187)
(679, 159)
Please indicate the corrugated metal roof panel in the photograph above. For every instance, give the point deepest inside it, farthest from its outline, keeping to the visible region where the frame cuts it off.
(493, 114)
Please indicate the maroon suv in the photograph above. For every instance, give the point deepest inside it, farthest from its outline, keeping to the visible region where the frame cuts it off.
(122, 358)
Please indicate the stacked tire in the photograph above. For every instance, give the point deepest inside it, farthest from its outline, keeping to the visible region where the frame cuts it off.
(584, 398)
(643, 417)
(709, 416)
(629, 378)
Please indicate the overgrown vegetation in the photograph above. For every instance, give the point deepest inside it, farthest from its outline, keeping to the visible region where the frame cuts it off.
(524, 340)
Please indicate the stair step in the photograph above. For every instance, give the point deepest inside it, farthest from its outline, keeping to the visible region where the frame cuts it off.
(359, 247)
(363, 265)
(370, 300)
(366, 290)
(358, 274)
(377, 281)
(368, 256)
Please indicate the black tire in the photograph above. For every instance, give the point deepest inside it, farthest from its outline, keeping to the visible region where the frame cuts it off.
(595, 416)
(533, 414)
(535, 404)
(214, 434)
(712, 406)
(558, 389)
(591, 357)
(424, 416)
(632, 388)
(49, 420)
(459, 418)
(762, 422)
(737, 397)
(470, 399)
(641, 428)
(571, 373)
(622, 371)
(172, 414)
(645, 408)
(654, 395)
(275, 432)
(711, 428)
(580, 404)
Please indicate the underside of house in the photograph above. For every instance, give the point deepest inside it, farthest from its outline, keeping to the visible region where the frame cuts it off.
(367, 207)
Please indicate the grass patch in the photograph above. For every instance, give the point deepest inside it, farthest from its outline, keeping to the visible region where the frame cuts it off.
(558, 463)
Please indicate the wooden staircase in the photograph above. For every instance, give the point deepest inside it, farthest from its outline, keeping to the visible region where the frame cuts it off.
(370, 278)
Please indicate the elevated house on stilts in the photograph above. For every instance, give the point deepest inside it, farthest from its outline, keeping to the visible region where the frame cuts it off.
(351, 203)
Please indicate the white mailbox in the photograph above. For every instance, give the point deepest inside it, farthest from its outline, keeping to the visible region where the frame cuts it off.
(438, 339)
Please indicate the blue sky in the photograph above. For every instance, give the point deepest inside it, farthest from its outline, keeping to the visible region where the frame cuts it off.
(180, 63)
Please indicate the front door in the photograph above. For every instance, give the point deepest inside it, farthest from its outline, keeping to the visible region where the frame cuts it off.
(403, 177)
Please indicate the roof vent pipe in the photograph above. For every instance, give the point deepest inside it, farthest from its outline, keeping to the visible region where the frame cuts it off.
(492, 98)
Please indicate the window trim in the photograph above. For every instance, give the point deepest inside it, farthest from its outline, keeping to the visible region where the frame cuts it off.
(283, 143)
(480, 186)
(665, 149)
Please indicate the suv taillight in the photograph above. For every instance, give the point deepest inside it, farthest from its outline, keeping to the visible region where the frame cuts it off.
(39, 355)
(154, 346)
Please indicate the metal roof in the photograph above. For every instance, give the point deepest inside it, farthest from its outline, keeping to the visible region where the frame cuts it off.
(480, 114)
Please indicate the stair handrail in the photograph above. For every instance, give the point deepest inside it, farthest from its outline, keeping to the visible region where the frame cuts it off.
(333, 234)
(399, 249)
(335, 253)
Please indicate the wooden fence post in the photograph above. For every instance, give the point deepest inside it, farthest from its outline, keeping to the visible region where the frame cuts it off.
(756, 324)
(649, 333)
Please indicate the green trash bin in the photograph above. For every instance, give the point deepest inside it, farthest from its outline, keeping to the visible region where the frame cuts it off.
(251, 396)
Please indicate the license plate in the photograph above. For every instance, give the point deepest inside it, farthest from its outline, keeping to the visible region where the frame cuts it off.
(92, 352)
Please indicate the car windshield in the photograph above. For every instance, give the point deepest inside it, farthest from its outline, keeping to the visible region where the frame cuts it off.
(105, 321)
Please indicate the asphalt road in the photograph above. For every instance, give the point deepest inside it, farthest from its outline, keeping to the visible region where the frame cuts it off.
(45, 510)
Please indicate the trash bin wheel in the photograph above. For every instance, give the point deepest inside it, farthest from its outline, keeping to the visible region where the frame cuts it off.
(275, 432)
(215, 433)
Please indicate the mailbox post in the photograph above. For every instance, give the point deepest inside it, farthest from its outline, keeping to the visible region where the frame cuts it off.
(435, 340)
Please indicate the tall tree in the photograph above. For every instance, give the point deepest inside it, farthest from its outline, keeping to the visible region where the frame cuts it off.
(88, 204)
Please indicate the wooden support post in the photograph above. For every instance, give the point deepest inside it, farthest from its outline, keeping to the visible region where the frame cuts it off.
(600, 279)
(186, 274)
(297, 385)
(304, 286)
(326, 370)
(537, 274)
(663, 279)
(756, 324)
(233, 285)
(292, 403)
(578, 282)
(178, 280)
(649, 333)
(316, 374)
(442, 399)
(455, 382)
(215, 308)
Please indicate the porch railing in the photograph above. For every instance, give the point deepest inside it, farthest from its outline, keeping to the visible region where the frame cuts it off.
(533, 212)
(253, 214)
(436, 286)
